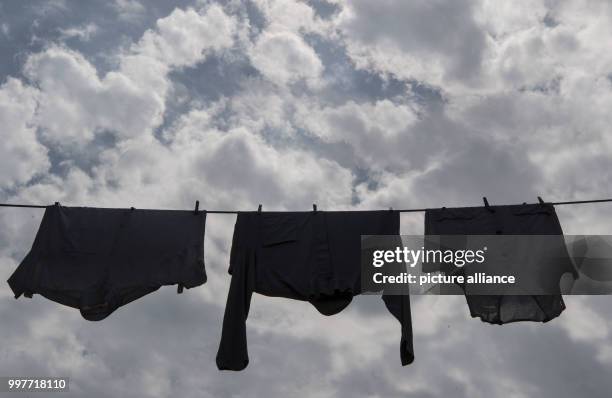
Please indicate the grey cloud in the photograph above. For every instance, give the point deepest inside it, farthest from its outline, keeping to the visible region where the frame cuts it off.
(433, 30)
(232, 139)
(475, 168)
(50, 19)
(344, 81)
(324, 8)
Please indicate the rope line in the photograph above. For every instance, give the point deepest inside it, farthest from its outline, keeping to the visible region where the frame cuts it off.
(574, 202)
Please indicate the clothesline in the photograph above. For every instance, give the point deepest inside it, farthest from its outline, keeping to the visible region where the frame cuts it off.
(152, 248)
(574, 202)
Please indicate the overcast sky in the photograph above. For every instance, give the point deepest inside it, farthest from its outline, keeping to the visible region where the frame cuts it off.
(348, 104)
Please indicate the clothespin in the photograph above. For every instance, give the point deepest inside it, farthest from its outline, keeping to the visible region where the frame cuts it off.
(390, 208)
(131, 208)
(486, 203)
(259, 209)
(179, 289)
(314, 207)
(57, 203)
(197, 207)
(543, 204)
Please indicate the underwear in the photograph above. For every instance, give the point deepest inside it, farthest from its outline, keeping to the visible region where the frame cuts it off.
(97, 260)
(307, 256)
(532, 219)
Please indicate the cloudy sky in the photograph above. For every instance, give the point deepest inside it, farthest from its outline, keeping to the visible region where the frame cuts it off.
(350, 104)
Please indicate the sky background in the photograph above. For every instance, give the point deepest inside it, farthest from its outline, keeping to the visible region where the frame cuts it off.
(348, 104)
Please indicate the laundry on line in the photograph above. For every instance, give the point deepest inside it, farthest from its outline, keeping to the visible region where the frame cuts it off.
(571, 202)
(99, 259)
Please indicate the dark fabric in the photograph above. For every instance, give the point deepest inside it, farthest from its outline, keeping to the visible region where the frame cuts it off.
(97, 260)
(308, 256)
(538, 219)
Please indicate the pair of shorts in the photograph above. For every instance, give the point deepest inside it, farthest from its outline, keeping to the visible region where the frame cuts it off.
(97, 260)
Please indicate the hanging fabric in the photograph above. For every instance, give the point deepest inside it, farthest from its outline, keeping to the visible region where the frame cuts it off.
(98, 259)
(526, 219)
(309, 256)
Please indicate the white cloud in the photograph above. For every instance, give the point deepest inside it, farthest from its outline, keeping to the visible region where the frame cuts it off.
(479, 47)
(186, 36)
(75, 102)
(21, 155)
(284, 57)
(292, 15)
(374, 130)
(584, 324)
(240, 166)
(522, 109)
(83, 33)
(435, 42)
(129, 9)
(280, 52)
(260, 107)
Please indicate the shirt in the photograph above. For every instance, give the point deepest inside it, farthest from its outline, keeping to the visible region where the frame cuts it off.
(532, 219)
(308, 256)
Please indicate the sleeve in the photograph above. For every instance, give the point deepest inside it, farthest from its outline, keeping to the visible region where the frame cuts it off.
(18, 281)
(25, 278)
(399, 306)
(398, 303)
(233, 353)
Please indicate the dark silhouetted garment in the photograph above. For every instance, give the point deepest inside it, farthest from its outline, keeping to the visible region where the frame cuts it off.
(308, 256)
(97, 260)
(528, 219)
